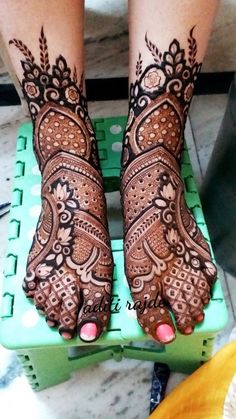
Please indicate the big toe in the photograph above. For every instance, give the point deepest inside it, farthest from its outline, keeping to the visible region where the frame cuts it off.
(29, 284)
(157, 323)
(94, 315)
(165, 333)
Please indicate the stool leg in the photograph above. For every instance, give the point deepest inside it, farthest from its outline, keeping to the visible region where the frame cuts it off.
(50, 366)
(45, 367)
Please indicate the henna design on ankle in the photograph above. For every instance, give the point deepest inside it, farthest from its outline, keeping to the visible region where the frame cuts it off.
(166, 254)
(70, 263)
(168, 82)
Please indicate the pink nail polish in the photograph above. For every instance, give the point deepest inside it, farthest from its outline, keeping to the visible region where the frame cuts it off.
(88, 332)
(188, 330)
(50, 323)
(66, 336)
(200, 318)
(165, 333)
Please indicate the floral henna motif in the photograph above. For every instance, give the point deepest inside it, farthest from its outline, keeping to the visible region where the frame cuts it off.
(69, 269)
(167, 259)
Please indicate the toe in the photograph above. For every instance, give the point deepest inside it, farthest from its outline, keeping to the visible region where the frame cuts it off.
(182, 313)
(200, 283)
(30, 282)
(69, 312)
(41, 294)
(188, 330)
(210, 272)
(51, 323)
(196, 307)
(186, 300)
(195, 304)
(157, 323)
(66, 335)
(63, 303)
(52, 309)
(94, 315)
(200, 317)
(200, 296)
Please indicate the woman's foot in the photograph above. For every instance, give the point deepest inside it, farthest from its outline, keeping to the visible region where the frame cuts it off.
(167, 259)
(69, 268)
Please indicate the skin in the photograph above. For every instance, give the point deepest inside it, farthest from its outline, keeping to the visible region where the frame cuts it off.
(69, 268)
(163, 22)
(151, 186)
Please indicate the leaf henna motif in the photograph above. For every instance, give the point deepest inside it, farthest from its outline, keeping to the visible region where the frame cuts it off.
(75, 75)
(192, 48)
(23, 48)
(154, 50)
(61, 72)
(139, 66)
(44, 59)
(174, 59)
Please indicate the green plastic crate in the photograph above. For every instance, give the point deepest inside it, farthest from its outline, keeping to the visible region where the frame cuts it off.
(48, 359)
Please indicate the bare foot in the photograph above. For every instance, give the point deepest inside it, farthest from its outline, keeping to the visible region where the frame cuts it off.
(166, 256)
(69, 268)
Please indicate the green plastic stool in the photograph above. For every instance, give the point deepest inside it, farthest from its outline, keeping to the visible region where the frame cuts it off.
(46, 358)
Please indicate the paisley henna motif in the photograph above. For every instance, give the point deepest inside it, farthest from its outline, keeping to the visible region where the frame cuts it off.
(69, 269)
(166, 256)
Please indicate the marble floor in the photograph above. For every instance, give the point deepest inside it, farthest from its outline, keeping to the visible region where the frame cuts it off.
(124, 388)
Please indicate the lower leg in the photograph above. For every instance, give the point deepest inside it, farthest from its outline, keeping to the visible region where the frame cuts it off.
(69, 269)
(166, 256)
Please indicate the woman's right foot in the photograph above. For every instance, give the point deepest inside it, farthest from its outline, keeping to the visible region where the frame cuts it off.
(70, 266)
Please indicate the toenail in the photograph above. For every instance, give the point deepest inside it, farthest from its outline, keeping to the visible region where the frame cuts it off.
(50, 323)
(200, 318)
(66, 335)
(40, 311)
(165, 333)
(188, 330)
(88, 332)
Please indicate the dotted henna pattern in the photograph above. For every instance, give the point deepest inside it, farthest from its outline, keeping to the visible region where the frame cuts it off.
(60, 129)
(162, 125)
(70, 266)
(167, 259)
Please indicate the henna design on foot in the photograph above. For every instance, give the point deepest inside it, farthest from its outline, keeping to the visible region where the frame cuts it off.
(166, 256)
(70, 266)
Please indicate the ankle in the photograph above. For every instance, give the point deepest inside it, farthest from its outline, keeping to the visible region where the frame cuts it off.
(55, 98)
(160, 96)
